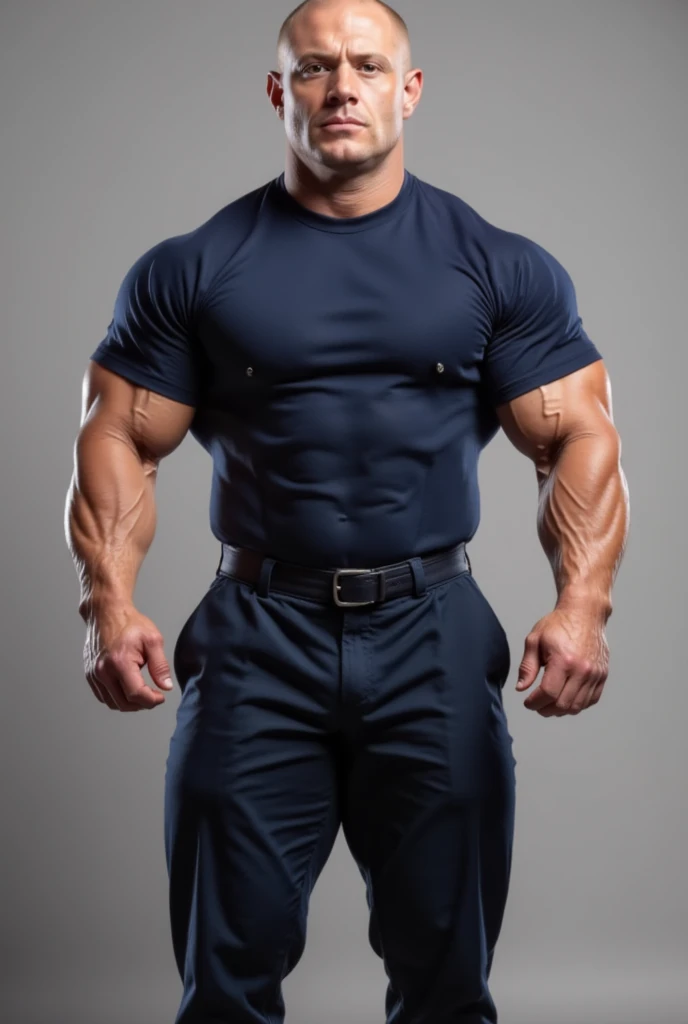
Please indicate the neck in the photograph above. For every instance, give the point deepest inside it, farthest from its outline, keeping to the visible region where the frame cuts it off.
(344, 195)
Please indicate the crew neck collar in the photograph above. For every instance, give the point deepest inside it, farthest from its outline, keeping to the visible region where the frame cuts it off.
(324, 222)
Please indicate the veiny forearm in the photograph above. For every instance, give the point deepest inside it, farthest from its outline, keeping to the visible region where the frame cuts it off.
(583, 517)
(110, 515)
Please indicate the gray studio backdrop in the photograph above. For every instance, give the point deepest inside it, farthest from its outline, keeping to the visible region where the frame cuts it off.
(125, 123)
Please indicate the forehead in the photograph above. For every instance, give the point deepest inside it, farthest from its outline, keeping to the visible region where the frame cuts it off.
(362, 26)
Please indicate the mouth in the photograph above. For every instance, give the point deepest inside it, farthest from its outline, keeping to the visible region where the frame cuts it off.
(333, 126)
(341, 119)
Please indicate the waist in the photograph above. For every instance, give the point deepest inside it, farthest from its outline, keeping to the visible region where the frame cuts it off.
(345, 587)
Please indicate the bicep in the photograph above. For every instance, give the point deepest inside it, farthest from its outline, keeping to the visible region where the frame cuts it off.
(540, 421)
(154, 424)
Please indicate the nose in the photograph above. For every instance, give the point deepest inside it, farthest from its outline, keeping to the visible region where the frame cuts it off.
(341, 87)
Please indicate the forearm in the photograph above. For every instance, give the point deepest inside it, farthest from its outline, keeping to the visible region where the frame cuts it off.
(583, 518)
(110, 515)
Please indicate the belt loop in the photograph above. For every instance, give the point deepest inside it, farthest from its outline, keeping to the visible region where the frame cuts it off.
(263, 584)
(419, 585)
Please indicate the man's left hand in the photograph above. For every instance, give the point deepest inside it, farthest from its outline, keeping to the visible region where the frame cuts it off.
(571, 645)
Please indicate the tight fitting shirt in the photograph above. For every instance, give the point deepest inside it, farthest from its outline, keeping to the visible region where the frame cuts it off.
(345, 371)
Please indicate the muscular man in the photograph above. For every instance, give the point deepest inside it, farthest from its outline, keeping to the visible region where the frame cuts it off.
(343, 341)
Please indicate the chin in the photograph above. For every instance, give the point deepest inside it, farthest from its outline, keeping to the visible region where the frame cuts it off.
(349, 153)
(340, 164)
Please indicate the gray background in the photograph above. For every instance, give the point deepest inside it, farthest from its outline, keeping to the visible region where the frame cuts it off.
(125, 123)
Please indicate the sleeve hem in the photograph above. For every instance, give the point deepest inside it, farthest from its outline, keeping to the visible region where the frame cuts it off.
(544, 376)
(145, 379)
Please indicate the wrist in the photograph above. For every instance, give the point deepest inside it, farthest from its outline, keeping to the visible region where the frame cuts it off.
(100, 599)
(585, 597)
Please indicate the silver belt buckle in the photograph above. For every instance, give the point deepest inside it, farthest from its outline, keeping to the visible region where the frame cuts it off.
(336, 587)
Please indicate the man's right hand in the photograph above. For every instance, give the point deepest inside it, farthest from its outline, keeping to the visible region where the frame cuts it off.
(119, 642)
(126, 429)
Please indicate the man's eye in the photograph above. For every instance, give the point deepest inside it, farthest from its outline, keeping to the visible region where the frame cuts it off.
(310, 67)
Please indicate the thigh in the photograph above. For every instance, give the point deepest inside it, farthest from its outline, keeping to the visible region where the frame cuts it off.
(251, 790)
(430, 797)
(432, 726)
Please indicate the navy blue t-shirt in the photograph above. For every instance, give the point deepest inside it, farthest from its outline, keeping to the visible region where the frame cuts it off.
(345, 372)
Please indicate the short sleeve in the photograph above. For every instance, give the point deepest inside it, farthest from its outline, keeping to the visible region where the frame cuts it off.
(537, 335)
(149, 339)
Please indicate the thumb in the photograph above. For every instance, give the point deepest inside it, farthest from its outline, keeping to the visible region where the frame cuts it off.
(158, 666)
(530, 663)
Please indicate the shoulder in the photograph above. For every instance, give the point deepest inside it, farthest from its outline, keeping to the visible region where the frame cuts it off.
(187, 262)
(509, 266)
(522, 271)
(218, 230)
(226, 224)
(499, 246)
(454, 212)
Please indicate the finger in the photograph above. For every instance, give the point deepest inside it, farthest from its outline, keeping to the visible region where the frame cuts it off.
(551, 685)
(120, 698)
(100, 690)
(115, 692)
(549, 710)
(158, 666)
(554, 711)
(530, 662)
(124, 681)
(106, 678)
(134, 688)
(572, 698)
(110, 680)
(585, 695)
(582, 699)
(596, 691)
(542, 700)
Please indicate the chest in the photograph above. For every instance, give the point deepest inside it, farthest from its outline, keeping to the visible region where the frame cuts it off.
(339, 307)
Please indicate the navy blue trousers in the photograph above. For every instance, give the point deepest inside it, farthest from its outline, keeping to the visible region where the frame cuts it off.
(297, 717)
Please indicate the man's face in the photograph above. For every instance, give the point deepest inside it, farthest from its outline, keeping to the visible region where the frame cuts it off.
(344, 61)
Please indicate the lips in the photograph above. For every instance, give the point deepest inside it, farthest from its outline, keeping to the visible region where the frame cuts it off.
(342, 120)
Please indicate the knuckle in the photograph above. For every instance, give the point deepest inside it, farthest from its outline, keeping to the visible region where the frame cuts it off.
(149, 632)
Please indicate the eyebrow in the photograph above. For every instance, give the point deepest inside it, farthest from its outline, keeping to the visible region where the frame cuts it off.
(327, 58)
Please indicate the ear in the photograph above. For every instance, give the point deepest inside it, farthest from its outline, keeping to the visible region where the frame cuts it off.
(275, 92)
(412, 90)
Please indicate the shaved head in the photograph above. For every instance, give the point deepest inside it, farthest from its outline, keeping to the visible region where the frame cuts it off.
(344, 88)
(284, 38)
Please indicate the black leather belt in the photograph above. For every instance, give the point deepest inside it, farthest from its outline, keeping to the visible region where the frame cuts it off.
(347, 588)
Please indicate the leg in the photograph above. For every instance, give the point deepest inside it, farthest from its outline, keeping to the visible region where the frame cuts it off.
(251, 800)
(429, 807)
